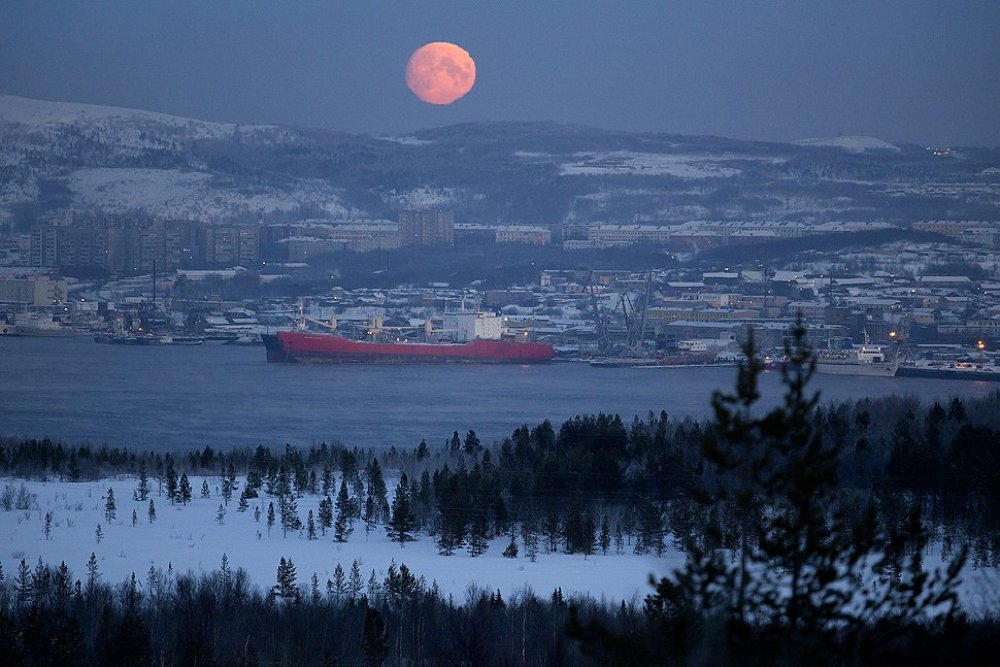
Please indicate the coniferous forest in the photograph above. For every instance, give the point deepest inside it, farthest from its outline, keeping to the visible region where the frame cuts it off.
(806, 530)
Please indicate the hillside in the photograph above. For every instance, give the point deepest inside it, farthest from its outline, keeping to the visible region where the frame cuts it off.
(57, 158)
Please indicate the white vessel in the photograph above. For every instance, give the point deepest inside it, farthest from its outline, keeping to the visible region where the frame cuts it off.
(870, 360)
(41, 323)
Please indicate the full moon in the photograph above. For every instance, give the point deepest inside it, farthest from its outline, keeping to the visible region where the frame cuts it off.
(440, 72)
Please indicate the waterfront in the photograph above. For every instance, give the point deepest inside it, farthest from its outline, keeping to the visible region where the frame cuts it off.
(170, 398)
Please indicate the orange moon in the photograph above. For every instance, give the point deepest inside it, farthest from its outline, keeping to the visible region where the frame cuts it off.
(440, 72)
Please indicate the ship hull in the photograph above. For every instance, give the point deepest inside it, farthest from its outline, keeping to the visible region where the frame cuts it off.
(869, 370)
(292, 347)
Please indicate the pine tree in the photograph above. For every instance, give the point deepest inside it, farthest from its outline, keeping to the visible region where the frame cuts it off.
(99, 533)
(354, 583)
(326, 479)
(478, 542)
(270, 518)
(135, 518)
(184, 490)
(142, 490)
(48, 526)
(530, 538)
(92, 572)
(22, 585)
(205, 492)
(286, 586)
(370, 514)
(799, 551)
(314, 593)
(472, 444)
(220, 514)
(229, 483)
(110, 507)
(171, 476)
(152, 511)
(511, 550)
(377, 491)
(403, 523)
(243, 505)
(325, 514)
(605, 538)
(256, 513)
(344, 525)
(288, 508)
(339, 588)
(62, 586)
(374, 639)
(310, 526)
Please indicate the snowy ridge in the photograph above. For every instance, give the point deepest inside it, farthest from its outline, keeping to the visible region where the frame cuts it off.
(851, 143)
(41, 113)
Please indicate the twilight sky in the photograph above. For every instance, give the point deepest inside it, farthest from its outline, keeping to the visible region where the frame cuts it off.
(920, 71)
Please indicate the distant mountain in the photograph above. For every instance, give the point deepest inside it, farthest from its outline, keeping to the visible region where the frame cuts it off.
(60, 158)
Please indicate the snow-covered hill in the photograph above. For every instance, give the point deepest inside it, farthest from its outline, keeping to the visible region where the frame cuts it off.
(852, 143)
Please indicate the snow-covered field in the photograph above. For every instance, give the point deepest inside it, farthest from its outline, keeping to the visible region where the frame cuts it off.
(647, 164)
(851, 143)
(191, 538)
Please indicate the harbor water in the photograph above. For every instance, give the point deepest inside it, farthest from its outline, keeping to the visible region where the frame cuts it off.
(179, 397)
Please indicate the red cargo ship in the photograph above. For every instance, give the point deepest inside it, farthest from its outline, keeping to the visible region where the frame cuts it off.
(293, 346)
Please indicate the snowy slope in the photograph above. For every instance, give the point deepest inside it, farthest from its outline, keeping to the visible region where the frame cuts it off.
(852, 143)
(190, 538)
(40, 113)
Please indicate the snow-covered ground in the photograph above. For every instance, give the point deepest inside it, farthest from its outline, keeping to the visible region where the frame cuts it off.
(191, 538)
(41, 113)
(647, 164)
(191, 194)
(852, 143)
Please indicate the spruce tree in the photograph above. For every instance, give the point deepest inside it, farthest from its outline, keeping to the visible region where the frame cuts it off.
(22, 585)
(403, 523)
(802, 567)
(354, 583)
(310, 526)
(92, 572)
(605, 538)
(344, 525)
(171, 480)
(339, 588)
(325, 514)
(110, 507)
(142, 490)
(151, 513)
(99, 533)
(374, 639)
(270, 518)
(511, 550)
(184, 490)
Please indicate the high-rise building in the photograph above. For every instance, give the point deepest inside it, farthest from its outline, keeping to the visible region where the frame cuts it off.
(426, 227)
